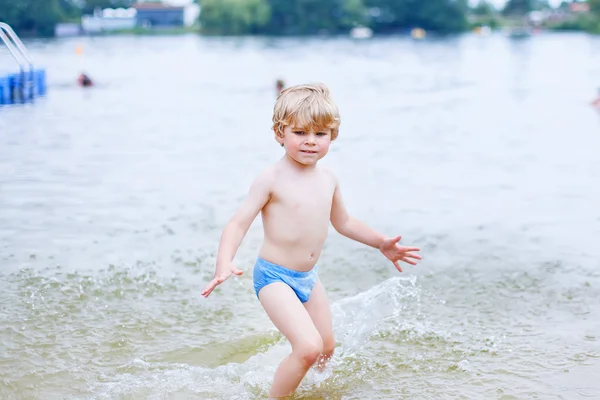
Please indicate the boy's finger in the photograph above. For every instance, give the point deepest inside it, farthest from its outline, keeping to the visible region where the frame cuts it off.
(411, 249)
(415, 256)
(208, 290)
(238, 272)
(397, 265)
(211, 286)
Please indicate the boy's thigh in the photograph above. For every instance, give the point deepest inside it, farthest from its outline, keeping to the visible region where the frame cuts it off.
(320, 312)
(289, 316)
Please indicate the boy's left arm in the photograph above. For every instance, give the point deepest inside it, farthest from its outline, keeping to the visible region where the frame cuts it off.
(361, 232)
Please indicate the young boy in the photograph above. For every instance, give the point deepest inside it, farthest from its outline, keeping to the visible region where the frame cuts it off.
(297, 201)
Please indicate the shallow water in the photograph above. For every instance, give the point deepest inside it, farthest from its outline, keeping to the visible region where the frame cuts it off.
(481, 150)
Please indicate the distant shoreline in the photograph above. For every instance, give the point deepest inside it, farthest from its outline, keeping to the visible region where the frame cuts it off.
(196, 30)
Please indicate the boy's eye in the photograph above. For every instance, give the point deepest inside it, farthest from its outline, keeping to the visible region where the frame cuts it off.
(321, 134)
(299, 132)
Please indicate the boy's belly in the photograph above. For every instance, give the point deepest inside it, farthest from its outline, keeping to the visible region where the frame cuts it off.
(300, 254)
(294, 240)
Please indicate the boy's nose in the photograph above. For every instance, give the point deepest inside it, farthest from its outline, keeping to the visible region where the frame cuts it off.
(310, 139)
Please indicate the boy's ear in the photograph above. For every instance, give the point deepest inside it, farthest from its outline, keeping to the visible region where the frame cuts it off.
(279, 137)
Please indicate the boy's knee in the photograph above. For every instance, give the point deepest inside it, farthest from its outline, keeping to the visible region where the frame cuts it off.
(309, 352)
(328, 347)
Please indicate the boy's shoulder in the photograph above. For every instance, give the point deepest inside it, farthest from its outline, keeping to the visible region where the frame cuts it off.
(267, 176)
(329, 174)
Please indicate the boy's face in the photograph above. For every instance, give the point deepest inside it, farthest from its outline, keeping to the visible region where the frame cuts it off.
(305, 146)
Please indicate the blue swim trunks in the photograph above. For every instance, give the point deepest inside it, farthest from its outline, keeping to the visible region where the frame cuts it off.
(302, 283)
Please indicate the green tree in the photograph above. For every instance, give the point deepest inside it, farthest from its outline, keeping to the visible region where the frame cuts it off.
(304, 16)
(541, 5)
(594, 7)
(484, 13)
(440, 15)
(352, 13)
(518, 7)
(435, 15)
(312, 16)
(390, 15)
(233, 17)
(33, 17)
(484, 9)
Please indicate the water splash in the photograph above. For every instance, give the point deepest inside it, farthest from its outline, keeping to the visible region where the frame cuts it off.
(356, 319)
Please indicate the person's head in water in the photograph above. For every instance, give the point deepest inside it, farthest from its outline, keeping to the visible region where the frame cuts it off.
(279, 85)
(84, 80)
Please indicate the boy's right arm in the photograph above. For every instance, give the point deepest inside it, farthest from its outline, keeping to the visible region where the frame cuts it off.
(234, 232)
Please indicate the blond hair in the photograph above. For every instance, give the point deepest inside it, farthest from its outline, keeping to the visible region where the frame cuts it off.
(307, 106)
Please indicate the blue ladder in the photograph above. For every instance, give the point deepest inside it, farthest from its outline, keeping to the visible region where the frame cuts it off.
(28, 83)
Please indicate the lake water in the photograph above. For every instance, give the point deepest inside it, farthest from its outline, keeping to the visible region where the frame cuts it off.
(483, 151)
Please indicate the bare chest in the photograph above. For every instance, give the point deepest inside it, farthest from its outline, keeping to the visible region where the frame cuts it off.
(304, 198)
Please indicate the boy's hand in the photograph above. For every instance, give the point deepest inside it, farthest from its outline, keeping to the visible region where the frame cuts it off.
(394, 252)
(220, 277)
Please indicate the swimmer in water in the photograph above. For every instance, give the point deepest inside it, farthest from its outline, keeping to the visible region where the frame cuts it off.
(84, 80)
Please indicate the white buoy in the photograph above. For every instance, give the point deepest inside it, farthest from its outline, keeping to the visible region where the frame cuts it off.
(361, 32)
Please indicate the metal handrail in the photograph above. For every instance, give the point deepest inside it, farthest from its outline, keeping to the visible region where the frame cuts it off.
(15, 46)
(13, 50)
(24, 87)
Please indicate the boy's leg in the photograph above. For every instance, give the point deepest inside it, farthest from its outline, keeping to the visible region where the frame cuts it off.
(291, 318)
(320, 313)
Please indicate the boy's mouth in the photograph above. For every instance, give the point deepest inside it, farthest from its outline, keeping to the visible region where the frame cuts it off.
(308, 151)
